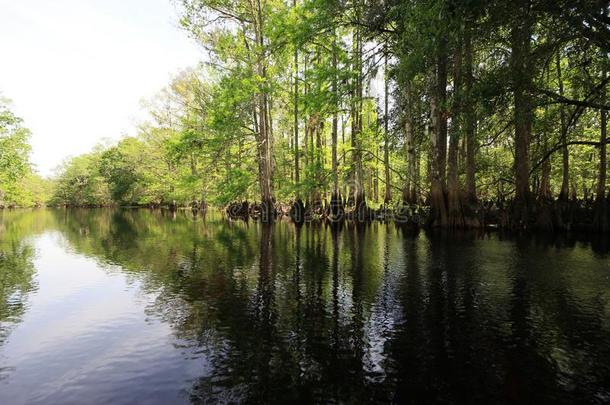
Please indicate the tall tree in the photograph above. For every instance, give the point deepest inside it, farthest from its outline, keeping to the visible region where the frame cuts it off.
(386, 135)
(565, 155)
(521, 74)
(246, 48)
(469, 115)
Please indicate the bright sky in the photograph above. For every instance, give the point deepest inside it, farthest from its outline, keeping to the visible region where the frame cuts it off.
(76, 70)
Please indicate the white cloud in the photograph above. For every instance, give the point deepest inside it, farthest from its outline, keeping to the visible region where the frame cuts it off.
(76, 70)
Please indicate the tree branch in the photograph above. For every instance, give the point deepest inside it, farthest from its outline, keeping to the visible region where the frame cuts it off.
(579, 103)
(557, 147)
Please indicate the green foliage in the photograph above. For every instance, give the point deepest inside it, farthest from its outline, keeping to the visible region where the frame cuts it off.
(119, 173)
(278, 68)
(237, 183)
(79, 183)
(19, 184)
(14, 154)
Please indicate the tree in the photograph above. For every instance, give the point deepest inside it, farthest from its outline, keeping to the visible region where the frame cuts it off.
(521, 26)
(14, 153)
(237, 34)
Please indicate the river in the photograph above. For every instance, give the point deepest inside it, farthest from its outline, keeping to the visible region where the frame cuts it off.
(138, 306)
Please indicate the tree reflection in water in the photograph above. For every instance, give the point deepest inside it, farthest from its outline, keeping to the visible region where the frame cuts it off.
(358, 314)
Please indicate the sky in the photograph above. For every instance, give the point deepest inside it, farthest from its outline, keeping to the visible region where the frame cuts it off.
(76, 71)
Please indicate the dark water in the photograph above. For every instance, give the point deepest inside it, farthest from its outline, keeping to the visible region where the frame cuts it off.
(106, 306)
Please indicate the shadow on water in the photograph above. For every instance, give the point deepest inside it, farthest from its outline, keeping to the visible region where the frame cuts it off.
(359, 314)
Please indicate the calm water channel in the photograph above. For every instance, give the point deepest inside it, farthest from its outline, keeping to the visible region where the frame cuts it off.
(134, 306)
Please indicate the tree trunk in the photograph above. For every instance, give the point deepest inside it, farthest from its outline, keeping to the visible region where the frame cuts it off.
(409, 192)
(297, 179)
(386, 141)
(306, 161)
(358, 179)
(601, 205)
(336, 203)
(565, 175)
(454, 206)
(319, 163)
(264, 141)
(438, 138)
(603, 157)
(469, 119)
(521, 71)
(335, 124)
(265, 156)
(544, 191)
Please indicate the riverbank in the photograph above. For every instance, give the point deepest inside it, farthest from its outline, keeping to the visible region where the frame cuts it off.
(550, 216)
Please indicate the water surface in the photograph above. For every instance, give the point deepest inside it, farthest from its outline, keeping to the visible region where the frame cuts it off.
(136, 306)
